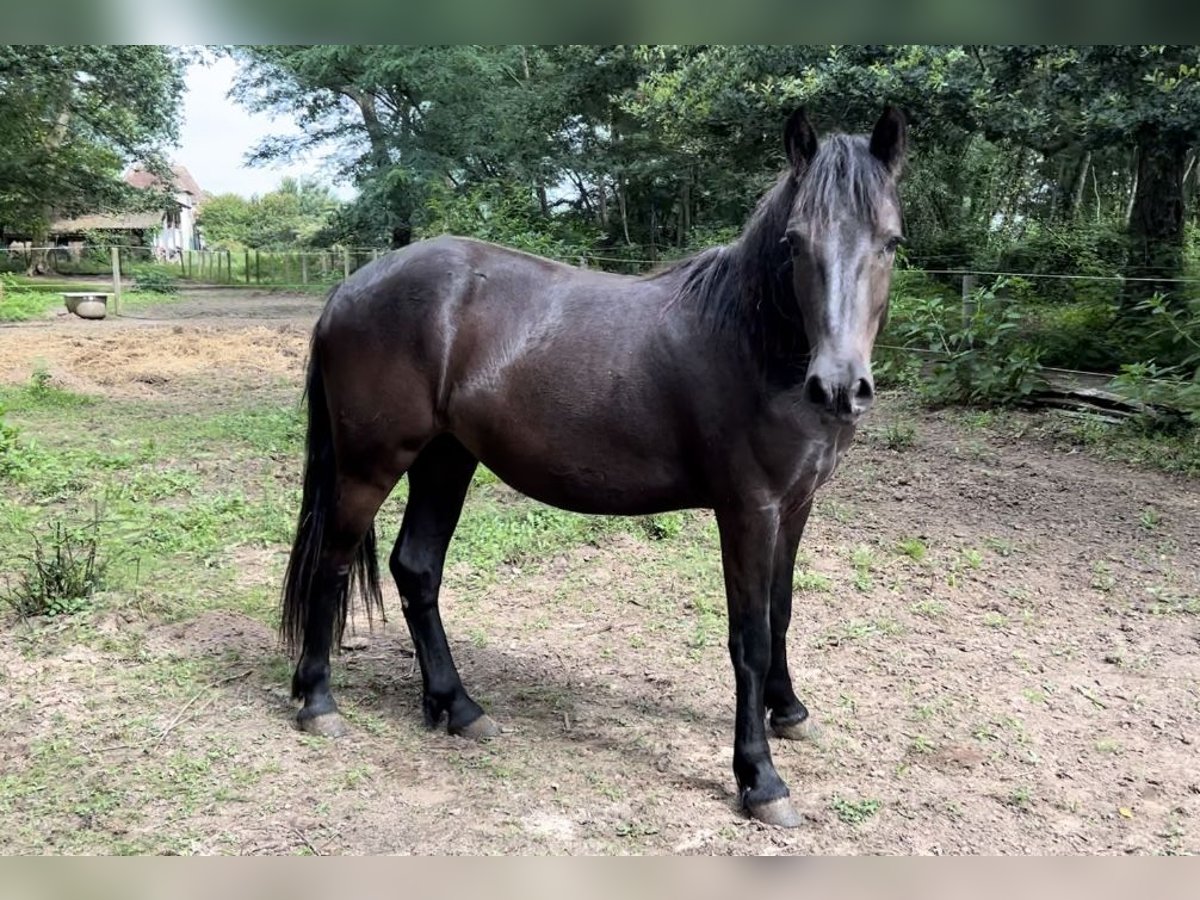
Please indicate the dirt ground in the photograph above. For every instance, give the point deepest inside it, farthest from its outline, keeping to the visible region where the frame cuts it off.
(999, 636)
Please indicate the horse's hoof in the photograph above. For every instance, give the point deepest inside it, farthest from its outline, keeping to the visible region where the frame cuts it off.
(779, 813)
(481, 729)
(804, 730)
(330, 725)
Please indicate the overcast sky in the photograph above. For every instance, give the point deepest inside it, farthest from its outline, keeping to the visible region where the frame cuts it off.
(218, 133)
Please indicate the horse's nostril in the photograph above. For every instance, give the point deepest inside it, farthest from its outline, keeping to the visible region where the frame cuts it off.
(817, 393)
(865, 391)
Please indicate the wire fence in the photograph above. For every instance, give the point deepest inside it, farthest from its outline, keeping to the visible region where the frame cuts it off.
(311, 269)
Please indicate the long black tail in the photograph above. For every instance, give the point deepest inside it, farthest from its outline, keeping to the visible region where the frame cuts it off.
(300, 586)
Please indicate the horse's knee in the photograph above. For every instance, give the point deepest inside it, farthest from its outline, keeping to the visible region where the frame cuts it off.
(417, 579)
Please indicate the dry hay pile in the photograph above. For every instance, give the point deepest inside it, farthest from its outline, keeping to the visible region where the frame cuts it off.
(145, 359)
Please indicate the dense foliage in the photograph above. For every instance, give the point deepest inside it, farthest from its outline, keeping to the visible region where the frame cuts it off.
(1037, 156)
(296, 214)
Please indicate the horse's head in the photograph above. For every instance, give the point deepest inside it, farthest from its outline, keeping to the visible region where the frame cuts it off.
(844, 227)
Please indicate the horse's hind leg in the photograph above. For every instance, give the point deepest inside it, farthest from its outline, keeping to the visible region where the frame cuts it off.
(349, 523)
(437, 487)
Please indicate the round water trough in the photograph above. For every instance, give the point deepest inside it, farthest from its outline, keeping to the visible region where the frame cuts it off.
(87, 304)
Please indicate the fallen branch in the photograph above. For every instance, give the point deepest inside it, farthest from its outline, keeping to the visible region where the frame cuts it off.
(162, 735)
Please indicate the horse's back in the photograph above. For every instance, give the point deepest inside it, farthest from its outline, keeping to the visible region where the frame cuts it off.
(558, 378)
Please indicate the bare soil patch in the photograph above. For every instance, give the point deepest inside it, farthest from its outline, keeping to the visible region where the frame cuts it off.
(1000, 637)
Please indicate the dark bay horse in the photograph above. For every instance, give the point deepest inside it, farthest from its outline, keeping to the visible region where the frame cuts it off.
(730, 381)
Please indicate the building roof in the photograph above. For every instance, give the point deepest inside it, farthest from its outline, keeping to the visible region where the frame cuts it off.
(115, 222)
(137, 177)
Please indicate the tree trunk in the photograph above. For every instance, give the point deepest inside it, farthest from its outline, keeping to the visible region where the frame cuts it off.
(1156, 223)
(1133, 187)
(1012, 197)
(602, 201)
(1081, 174)
(685, 210)
(624, 211)
(39, 262)
(539, 186)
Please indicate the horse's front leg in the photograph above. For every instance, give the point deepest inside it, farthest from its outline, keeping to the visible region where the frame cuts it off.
(748, 542)
(789, 717)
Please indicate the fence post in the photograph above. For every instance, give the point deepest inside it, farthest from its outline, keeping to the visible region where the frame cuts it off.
(116, 275)
(969, 304)
(345, 262)
(374, 255)
(583, 262)
(246, 264)
(257, 268)
(303, 267)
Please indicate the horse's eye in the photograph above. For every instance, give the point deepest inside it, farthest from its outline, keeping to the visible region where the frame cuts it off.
(892, 243)
(794, 238)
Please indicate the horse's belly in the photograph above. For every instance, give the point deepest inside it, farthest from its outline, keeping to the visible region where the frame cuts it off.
(593, 463)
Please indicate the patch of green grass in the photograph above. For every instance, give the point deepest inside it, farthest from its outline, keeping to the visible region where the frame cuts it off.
(355, 777)
(858, 630)
(492, 533)
(836, 510)
(929, 608)
(1034, 695)
(635, 829)
(982, 418)
(41, 393)
(807, 580)
(1020, 798)
(709, 624)
(1000, 546)
(1150, 518)
(972, 558)
(896, 436)
(23, 305)
(913, 548)
(663, 526)
(854, 812)
(920, 744)
(864, 561)
(1166, 603)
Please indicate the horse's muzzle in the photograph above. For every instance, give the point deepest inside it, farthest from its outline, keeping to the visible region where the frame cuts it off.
(845, 399)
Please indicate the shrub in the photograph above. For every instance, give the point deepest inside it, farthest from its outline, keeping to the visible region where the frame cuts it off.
(979, 360)
(1173, 387)
(1074, 250)
(61, 575)
(155, 280)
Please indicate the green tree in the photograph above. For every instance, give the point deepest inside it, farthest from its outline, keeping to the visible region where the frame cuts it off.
(297, 213)
(71, 117)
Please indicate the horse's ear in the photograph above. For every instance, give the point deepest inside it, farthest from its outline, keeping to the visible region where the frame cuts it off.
(890, 139)
(800, 140)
